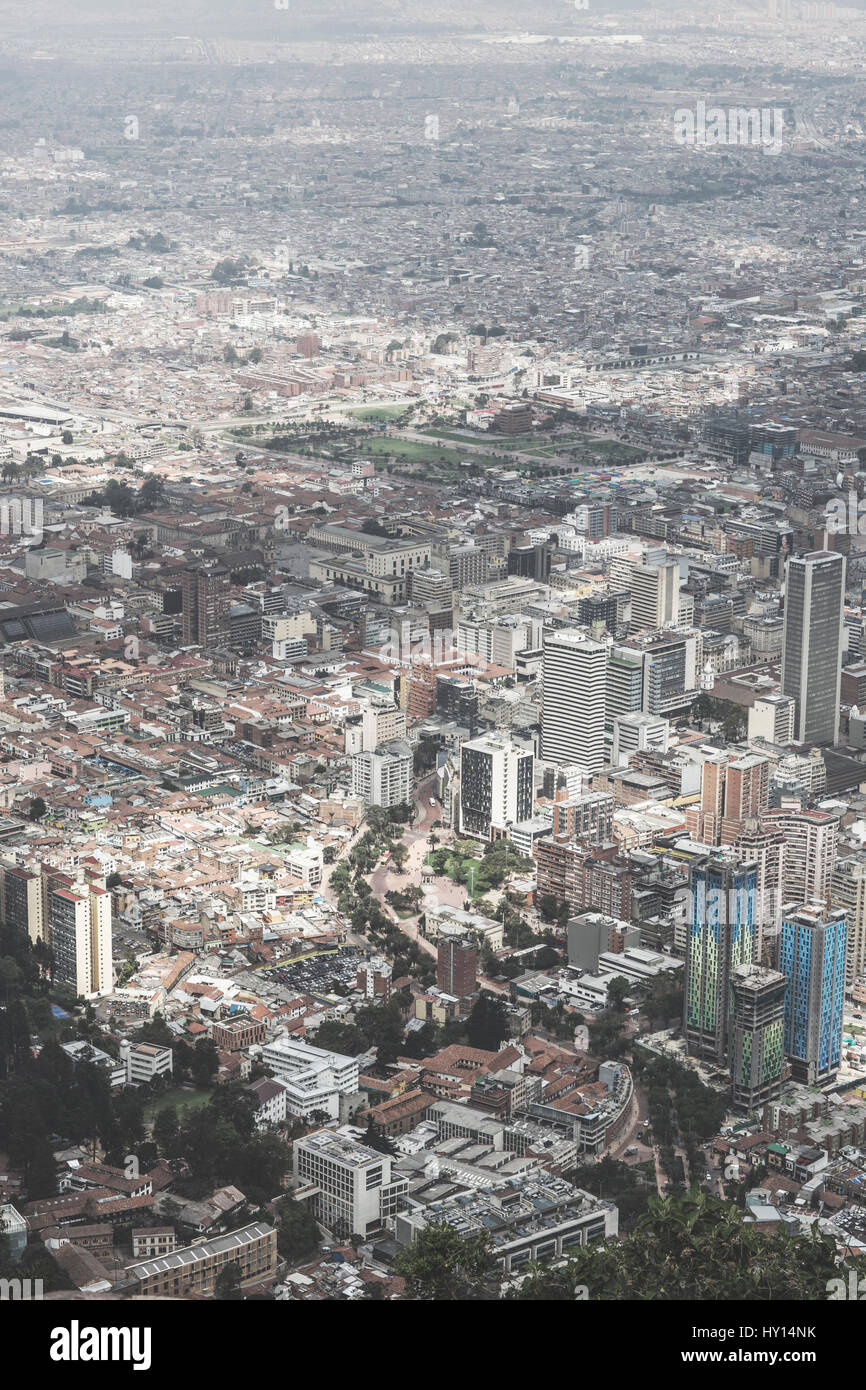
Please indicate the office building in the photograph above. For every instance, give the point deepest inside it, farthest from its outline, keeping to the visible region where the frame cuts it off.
(431, 588)
(591, 934)
(812, 957)
(637, 733)
(314, 1078)
(812, 644)
(467, 564)
(496, 785)
(757, 1026)
(721, 936)
(205, 591)
(574, 681)
(655, 594)
(456, 966)
(529, 559)
(348, 1188)
(624, 689)
(772, 718)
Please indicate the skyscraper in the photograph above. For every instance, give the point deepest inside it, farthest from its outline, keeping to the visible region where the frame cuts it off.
(812, 956)
(574, 679)
(757, 1027)
(205, 605)
(496, 785)
(721, 936)
(812, 643)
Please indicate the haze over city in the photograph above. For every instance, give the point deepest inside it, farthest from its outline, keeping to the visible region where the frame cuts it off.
(432, 662)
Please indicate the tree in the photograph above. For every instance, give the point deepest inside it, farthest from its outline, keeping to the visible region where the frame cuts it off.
(151, 492)
(444, 1265)
(227, 1284)
(617, 991)
(298, 1235)
(66, 435)
(695, 1247)
(548, 906)
(204, 1061)
(166, 1132)
(380, 1142)
(487, 1024)
(38, 808)
(344, 1038)
(399, 855)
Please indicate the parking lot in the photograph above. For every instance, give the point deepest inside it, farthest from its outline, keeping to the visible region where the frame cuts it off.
(318, 974)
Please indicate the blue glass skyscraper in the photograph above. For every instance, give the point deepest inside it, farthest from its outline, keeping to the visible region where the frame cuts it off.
(721, 936)
(812, 956)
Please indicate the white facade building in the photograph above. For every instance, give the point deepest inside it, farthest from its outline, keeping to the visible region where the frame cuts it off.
(574, 678)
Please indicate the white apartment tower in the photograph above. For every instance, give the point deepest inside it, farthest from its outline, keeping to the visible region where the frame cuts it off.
(574, 680)
(496, 785)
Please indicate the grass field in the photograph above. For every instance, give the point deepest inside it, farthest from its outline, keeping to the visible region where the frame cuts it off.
(180, 1098)
(377, 412)
(410, 451)
(523, 443)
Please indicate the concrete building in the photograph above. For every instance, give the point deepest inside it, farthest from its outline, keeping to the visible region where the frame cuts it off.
(636, 733)
(534, 1218)
(849, 893)
(772, 718)
(590, 934)
(145, 1061)
(496, 785)
(812, 649)
(810, 852)
(314, 1079)
(383, 777)
(194, 1269)
(347, 1187)
(655, 593)
(756, 1053)
(574, 681)
(381, 724)
(79, 933)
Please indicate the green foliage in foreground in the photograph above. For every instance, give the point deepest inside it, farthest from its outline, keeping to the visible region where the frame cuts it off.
(693, 1247)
